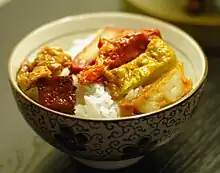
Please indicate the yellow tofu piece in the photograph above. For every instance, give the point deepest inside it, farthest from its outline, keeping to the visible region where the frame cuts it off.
(143, 70)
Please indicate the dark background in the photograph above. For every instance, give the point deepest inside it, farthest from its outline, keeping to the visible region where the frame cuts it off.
(195, 149)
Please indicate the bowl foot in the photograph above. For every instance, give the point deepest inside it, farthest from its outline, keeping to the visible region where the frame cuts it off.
(109, 164)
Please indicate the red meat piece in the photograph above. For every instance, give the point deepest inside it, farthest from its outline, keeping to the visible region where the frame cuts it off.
(57, 93)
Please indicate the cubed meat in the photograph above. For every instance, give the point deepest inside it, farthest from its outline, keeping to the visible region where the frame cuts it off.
(57, 93)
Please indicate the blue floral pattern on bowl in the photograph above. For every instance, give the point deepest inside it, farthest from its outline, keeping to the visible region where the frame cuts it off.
(107, 140)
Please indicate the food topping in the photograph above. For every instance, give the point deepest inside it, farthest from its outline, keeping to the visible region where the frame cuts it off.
(157, 59)
(167, 89)
(115, 52)
(91, 51)
(131, 70)
(57, 93)
(49, 62)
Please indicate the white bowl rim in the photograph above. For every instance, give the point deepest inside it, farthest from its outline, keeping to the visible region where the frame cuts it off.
(110, 14)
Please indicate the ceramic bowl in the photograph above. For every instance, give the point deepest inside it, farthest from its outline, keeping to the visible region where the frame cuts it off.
(203, 27)
(110, 143)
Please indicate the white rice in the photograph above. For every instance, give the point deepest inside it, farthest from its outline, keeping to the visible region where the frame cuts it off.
(93, 100)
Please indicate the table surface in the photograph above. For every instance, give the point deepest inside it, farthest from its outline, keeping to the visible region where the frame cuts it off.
(195, 149)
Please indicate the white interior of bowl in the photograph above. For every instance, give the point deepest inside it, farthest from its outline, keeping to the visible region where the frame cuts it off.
(62, 33)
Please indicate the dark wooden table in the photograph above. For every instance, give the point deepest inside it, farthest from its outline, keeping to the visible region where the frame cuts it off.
(195, 149)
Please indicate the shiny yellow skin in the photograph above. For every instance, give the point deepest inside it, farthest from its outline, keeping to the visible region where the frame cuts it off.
(154, 62)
